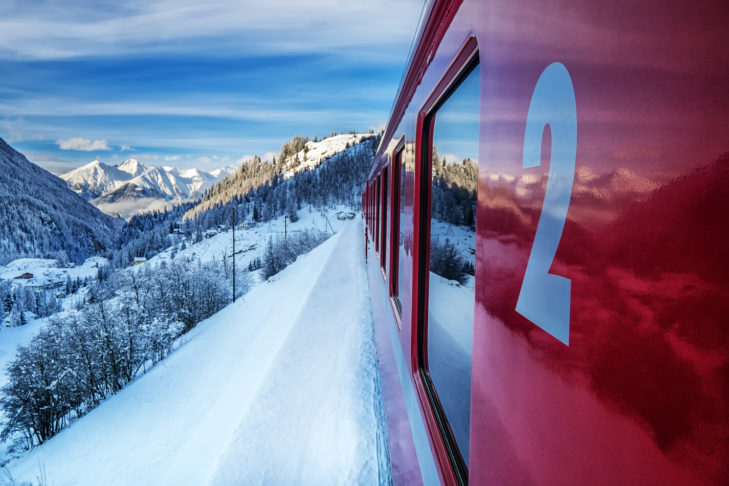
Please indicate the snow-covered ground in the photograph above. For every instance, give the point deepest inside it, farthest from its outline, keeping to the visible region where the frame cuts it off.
(450, 341)
(280, 387)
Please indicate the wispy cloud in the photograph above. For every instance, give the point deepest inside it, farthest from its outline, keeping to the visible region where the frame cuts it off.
(57, 30)
(16, 133)
(213, 107)
(82, 144)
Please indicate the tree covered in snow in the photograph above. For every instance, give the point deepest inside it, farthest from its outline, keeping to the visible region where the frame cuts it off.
(147, 234)
(130, 322)
(20, 303)
(282, 252)
(454, 191)
(446, 261)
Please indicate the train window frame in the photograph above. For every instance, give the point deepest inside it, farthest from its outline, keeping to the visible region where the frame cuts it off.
(384, 174)
(368, 200)
(395, 209)
(377, 214)
(446, 448)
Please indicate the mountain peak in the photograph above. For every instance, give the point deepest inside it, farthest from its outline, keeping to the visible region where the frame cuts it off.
(132, 167)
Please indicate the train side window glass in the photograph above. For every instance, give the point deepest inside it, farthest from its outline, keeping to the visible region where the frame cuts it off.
(405, 219)
(377, 214)
(383, 212)
(395, 229)
(452, 254)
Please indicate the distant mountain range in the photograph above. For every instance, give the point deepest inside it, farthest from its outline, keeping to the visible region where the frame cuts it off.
(132, 187)
(41, 217)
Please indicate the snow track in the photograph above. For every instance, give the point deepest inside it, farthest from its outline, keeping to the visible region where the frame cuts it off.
(281, 387)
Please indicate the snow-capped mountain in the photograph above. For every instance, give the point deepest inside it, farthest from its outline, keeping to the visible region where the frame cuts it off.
(41, 217)
(132, 167)
(132, 187)
(94, 179)
(223, 171)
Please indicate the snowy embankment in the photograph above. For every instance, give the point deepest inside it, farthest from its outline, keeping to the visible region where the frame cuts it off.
(280, 387)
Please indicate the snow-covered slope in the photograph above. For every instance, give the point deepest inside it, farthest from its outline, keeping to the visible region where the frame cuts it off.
(132, 186)
(317, 152)
(278, 388)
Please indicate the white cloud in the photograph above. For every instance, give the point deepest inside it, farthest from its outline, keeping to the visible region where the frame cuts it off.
(82, 144)
(172, 158)
(125, 148)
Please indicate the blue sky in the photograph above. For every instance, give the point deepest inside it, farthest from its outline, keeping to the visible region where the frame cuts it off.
(190, 83)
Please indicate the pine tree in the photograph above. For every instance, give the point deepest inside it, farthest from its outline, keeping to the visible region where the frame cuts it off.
(8, 302)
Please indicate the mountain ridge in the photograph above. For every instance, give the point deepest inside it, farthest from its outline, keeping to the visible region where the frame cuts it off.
(107, 186)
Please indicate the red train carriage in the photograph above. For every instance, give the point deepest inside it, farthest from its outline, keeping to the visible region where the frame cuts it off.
(548, 223)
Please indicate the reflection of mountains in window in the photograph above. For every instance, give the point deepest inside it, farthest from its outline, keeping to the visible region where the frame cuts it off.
(454, 191)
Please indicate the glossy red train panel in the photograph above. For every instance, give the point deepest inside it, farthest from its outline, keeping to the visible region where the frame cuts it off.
(551, 193)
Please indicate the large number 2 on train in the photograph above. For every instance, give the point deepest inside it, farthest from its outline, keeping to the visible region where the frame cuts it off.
(544, 298)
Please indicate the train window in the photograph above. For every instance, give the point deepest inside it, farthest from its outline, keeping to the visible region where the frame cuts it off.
(383, 212)
(450, 304)
(369, 209)
(377, 214)
(395, 230)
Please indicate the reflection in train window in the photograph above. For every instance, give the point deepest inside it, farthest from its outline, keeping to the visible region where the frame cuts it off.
(452, 253)
(405, 244)
(383, 212)
(395, 230)
(377, 214)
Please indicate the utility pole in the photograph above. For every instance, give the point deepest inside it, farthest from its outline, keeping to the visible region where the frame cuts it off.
(285, 217)
(233, 219)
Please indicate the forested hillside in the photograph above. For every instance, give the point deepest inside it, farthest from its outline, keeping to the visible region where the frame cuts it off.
(341, 161)
(41, 217)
